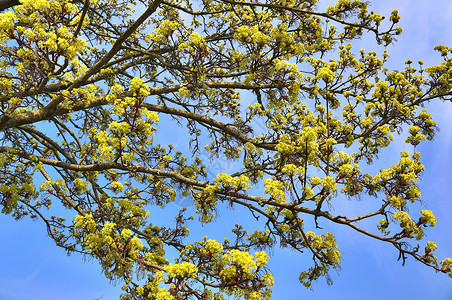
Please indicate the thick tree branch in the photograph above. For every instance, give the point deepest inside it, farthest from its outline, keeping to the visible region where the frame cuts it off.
(30, 117)
(5, 4)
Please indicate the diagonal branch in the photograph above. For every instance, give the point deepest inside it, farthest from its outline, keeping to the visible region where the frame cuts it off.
(5, 4)
(52, 106)
(59, 192)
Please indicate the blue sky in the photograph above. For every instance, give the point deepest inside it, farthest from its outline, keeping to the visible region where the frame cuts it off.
(33, 268)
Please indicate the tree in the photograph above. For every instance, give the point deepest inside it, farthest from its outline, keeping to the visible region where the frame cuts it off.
(85, 83)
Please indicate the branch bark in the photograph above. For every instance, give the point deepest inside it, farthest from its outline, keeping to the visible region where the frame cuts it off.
(5, 4)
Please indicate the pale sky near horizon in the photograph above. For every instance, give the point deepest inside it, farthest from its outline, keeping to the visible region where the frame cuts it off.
(33, 268)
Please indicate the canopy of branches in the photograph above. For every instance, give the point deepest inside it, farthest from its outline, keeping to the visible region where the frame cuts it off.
(89, 88)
